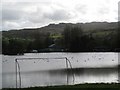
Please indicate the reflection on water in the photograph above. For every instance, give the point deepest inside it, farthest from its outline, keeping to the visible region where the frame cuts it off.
(87, 68)
(119, 74)
(63, 77)
(0, 71)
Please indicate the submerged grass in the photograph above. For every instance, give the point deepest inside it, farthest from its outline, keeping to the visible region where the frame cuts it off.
(96, 86)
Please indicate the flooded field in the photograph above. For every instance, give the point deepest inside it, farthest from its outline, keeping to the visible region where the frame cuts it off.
(86, 68)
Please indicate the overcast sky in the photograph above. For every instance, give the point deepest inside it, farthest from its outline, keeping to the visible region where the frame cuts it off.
(17, 14)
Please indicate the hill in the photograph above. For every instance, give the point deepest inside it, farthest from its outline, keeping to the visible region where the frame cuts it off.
(58, 28)
(79, 37)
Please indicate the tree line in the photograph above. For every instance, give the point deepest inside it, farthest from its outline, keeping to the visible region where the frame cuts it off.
(72, 39)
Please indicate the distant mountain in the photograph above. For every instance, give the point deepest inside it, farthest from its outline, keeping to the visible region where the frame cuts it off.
(58, 28)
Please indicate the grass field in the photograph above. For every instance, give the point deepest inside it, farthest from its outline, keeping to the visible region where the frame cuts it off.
(72, 87)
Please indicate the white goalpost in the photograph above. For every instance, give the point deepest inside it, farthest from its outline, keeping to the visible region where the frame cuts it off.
(18, 68)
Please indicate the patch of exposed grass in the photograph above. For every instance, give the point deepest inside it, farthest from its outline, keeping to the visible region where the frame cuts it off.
(72, 87)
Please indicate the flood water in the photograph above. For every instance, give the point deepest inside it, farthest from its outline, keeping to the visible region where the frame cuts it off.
(86, 68)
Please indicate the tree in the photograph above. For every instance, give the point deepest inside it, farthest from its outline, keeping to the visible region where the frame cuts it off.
(48, 41)
(5, 44)
(72, 38)
(67, 37)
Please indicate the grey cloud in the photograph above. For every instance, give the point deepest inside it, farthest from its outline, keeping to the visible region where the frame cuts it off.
(45, 17)
(11, 15)
(12, 12)
(15, 15)
(116, 18)
(81, 8)
(10, 25)
(58, 15)
(103, 10)
(36, 17)
(119, 11)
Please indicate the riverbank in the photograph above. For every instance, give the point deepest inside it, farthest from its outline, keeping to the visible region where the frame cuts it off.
(102, 86)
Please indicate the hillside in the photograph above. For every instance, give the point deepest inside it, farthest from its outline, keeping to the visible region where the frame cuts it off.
(67, 37)
(58, 28)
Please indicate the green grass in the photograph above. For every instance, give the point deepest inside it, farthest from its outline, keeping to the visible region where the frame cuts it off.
(102, 33)
(55, 36)
(72, 87)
